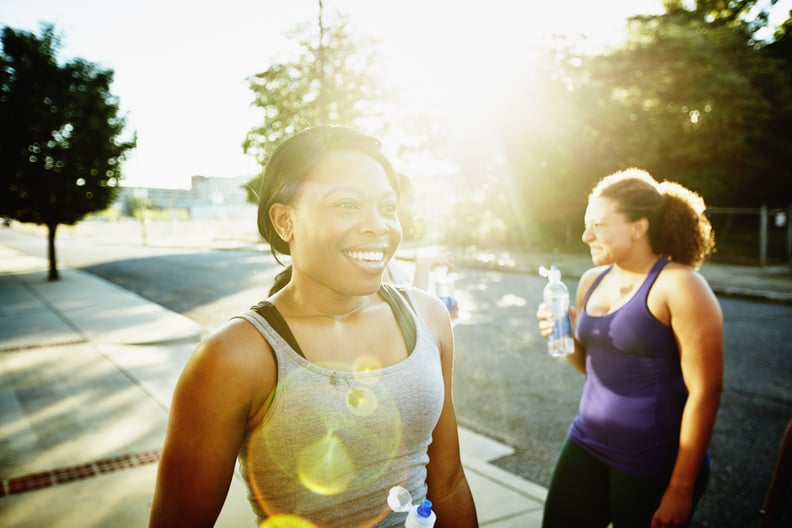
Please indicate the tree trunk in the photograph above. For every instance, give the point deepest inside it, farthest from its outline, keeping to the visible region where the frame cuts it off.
(53, 263)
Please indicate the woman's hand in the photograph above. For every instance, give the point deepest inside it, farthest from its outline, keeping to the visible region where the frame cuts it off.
(546, 322)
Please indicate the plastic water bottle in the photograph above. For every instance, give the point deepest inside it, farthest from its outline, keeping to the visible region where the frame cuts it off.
(556, 297)
(441, 283)
(421, 516)
(418, 516)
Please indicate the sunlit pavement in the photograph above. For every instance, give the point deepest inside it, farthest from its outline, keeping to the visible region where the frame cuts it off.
(88, 369)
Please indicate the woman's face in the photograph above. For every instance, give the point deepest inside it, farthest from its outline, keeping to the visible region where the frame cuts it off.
(345, 224)
(608, 233)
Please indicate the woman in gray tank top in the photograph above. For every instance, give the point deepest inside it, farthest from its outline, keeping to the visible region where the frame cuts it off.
(649, 339)
(336, 387)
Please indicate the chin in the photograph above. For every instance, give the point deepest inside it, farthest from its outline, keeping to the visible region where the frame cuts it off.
(367, 287)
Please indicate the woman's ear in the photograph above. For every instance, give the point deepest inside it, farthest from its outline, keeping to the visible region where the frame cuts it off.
(280, 216)
(640, 228)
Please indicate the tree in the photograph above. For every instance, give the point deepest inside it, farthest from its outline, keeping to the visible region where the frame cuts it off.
(558, 135)
(60, 135)
(692, 96)
(708, 107)
(331, 82)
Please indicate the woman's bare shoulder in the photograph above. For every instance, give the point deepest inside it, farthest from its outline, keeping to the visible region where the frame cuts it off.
(235, 351)
(676, 275)
(232, 340)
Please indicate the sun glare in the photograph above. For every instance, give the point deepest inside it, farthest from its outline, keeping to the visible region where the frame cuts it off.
(455, 57)
(460, 67)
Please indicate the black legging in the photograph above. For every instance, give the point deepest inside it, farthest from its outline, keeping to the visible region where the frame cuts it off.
(586, 492)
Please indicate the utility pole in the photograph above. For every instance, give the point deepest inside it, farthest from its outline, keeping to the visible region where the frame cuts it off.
(142, 194)
(321, 66)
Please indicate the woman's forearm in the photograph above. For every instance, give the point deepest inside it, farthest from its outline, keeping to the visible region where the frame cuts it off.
(698, 421)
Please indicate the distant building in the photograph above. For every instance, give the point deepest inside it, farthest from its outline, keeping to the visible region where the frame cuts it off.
(208, 197)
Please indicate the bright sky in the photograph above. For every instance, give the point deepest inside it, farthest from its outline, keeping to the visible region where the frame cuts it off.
(180, 67)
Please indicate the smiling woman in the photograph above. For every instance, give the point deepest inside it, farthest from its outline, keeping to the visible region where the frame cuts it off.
(337, 387)
(344, 216)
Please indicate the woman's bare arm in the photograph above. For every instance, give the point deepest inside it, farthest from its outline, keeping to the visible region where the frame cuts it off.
(212, 405)
(449, 492)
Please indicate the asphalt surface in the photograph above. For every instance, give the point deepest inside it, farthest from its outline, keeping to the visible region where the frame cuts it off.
(507, 388)
(88, 371)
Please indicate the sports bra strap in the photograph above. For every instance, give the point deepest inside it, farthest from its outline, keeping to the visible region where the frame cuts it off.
(390, 293)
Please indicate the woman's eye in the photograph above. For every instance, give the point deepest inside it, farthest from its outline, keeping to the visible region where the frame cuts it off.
(389, 210)
(347, 205)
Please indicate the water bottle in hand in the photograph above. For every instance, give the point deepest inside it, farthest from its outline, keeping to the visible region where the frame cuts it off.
(556, 298)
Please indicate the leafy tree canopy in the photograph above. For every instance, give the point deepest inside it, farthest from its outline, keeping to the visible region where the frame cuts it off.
(333, 81)
(692, 95)
(61, 143)
(708, 105)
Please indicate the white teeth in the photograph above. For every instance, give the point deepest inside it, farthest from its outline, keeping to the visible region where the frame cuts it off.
(368, 256)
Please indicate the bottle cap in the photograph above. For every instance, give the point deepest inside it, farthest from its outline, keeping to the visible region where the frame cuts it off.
(552, 274)
(425, 509)
(399, 499)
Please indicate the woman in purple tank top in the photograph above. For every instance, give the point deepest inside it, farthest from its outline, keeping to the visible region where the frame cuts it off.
(649, 339)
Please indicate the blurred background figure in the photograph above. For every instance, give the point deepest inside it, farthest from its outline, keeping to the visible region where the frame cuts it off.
(777, 501)
(431, 270)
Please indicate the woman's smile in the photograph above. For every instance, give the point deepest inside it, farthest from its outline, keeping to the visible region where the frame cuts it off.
(371, 260)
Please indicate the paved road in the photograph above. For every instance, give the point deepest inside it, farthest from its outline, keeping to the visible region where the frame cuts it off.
(506, 386)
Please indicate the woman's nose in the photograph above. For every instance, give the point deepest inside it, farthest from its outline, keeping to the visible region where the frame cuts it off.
(376, 222)
(587, 235)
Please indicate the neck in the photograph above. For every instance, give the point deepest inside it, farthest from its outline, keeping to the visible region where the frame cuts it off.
(298, 304)
(637, 264)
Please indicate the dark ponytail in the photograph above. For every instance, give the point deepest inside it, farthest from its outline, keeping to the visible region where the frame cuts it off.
(281, 280)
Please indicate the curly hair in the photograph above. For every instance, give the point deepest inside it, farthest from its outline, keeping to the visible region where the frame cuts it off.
(678, 228)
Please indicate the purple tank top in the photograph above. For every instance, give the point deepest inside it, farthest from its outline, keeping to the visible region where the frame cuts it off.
(633, 397)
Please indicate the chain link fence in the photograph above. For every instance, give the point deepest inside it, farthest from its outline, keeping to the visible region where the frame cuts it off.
(754, 236)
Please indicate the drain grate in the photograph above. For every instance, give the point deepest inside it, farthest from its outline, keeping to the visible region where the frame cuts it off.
(55, 477)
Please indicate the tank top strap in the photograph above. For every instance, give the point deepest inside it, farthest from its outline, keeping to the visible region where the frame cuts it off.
(595, 284)
(398, 298)
(651, 277)
(268, 311)
(401, 302)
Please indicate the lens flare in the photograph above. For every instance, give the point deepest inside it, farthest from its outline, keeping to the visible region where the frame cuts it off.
(331, 436)
(366, 370)
(287, 521)
(325, 467)
(361, 401)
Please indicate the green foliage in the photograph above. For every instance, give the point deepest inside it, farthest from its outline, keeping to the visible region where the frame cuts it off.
(60, 145)
(333, 81)
(691, 96)
(558, 140)
(707, 106)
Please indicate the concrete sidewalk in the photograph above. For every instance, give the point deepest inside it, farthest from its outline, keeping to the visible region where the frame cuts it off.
(87, 375)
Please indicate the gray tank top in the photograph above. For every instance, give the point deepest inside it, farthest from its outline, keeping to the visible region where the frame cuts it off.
(332, 443)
